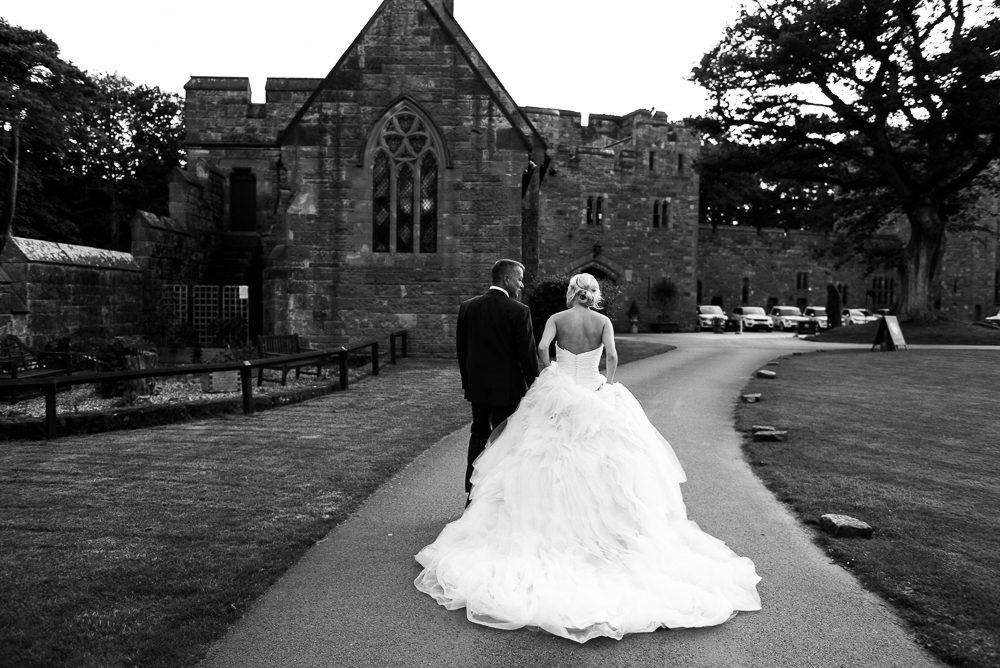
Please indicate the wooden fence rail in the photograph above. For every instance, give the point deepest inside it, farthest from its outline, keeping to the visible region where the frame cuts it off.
(51, 385)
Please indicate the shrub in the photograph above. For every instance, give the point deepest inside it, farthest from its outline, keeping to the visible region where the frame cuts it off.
(664, 292)
(101, 354)
(548, 297)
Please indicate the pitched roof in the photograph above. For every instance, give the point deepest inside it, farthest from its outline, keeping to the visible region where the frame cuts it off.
(50, 252)
(518, 120)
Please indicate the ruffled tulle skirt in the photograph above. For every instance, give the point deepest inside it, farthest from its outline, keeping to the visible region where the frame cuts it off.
(577, 526)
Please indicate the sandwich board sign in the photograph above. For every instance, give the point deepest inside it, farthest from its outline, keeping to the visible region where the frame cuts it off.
(889, 335)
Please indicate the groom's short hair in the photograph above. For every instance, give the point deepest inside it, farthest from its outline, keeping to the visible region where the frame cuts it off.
(502, 268)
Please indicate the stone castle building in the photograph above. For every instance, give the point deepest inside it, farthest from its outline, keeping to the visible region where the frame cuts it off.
(379, 197)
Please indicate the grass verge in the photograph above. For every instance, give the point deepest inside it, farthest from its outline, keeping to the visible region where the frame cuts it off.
(946, 332)
(140, 547)
(907, 442)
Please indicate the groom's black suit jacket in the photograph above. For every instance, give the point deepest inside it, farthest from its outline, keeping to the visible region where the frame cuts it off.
(496, 349)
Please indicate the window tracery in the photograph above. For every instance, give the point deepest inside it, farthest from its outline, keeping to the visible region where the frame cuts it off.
(404, 168)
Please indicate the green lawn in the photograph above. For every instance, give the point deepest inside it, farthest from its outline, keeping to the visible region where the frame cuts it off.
(910, 443)
(949, 332)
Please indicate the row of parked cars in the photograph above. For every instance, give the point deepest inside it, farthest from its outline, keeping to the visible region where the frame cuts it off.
(784, 318)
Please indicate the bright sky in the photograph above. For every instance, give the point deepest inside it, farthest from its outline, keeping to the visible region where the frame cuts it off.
(592, 56)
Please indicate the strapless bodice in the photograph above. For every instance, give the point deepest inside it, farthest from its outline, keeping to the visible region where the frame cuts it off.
(581, 368)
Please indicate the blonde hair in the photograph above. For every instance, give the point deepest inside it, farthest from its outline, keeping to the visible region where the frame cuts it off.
(586, 288)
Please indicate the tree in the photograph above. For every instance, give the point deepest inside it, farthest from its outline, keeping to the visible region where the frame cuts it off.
(132, 140)
(832, 305)
(894, 104)
(734, 190)
(79, 154)
(39, 92)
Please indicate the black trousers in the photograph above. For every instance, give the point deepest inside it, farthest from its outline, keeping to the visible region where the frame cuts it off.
(485, 418)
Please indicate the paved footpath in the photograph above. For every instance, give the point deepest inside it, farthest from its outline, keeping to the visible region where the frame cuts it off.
(350, 601)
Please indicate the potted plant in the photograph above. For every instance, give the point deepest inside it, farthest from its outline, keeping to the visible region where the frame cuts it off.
(664, 291)
(633, 316)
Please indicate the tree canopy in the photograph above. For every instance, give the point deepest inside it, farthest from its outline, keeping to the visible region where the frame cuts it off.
(891, 105)
(78, 154)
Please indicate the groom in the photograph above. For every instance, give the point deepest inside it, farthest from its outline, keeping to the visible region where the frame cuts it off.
(496, 354)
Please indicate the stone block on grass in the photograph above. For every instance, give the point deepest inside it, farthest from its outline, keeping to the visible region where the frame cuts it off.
(845, 526)
(751, 398)
(773, 435)
(761, 427)
(764, 373)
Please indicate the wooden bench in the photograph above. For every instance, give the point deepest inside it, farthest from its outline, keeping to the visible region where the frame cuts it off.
(281, 345)
(19, 361)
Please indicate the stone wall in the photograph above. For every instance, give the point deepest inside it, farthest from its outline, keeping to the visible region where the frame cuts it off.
(57, 289)
(771, 262)
(777, 267)
(631, 163)
(180, 248)
(969, 287)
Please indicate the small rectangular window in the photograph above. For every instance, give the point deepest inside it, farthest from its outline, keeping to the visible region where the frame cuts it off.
(802, 280)
(656, 214)
(590, 210)
(598, 213)
(680, 163)
(652, 160)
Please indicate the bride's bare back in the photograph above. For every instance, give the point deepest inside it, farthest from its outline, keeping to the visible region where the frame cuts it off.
(578, 330)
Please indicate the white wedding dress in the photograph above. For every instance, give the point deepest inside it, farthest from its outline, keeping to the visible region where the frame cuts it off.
(577, 525)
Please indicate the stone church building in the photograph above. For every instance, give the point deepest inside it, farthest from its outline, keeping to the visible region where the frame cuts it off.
(379, 197)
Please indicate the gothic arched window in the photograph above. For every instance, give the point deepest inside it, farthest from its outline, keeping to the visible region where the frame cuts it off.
(404, 164)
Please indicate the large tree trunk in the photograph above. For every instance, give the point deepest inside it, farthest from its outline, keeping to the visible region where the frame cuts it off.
(922, 260)
(11, 161)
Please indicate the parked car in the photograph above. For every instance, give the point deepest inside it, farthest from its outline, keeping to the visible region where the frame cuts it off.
(818, 315)
(787, 318)
(879, 312)
(994, 319)
(707, 315)
(856, 316)
(752, 317)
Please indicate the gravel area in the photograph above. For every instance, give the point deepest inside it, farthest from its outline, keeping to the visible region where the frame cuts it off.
(83, 399)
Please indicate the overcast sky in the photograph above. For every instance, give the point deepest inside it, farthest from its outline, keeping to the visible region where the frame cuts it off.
(609, 57)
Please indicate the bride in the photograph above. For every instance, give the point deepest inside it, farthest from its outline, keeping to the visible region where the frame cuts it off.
(576, 523)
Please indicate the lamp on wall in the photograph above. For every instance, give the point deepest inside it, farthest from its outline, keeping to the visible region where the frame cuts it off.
(597, 250)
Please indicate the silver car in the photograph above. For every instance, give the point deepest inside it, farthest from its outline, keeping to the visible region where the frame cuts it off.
(818, 315)
(787, 318)
(750, 317)
(707, 315)
(856, 316)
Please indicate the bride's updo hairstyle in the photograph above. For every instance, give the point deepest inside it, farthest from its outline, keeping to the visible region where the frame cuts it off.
(586, 288)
